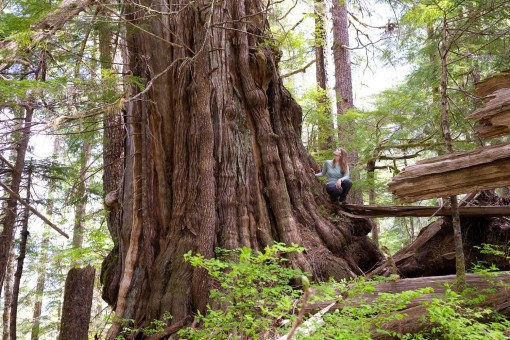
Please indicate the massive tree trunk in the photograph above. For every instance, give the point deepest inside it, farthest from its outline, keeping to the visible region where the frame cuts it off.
(213, 158)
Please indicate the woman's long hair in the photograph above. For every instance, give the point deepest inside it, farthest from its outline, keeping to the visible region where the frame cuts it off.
(343, 160)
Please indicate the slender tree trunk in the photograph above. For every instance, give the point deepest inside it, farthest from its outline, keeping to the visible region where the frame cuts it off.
(9, 279)
(81, 197)
(343, 74)
(213, 157)
(39, 289)
(43, 258)
(325, 123)
(412, 233)
(343, 82)
(371, 198)
(21, 259)
(60, 295)
(457, 234)
(433, 62)
(9, 220)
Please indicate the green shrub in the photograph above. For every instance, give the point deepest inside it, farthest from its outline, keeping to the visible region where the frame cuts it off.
(454, 318)
(253, 292)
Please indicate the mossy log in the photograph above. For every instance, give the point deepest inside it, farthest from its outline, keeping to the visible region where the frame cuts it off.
(494, 287)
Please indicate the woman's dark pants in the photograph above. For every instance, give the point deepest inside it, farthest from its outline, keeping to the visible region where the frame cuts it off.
(339, 194)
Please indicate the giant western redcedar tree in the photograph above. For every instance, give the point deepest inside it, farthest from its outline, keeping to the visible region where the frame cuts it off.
(213, 158)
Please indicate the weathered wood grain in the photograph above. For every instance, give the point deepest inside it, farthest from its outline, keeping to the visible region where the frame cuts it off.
(372, 211)
(495, 82)
(454, 174)
(493, 117)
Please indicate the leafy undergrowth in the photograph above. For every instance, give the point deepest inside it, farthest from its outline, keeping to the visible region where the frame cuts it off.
(257, 297)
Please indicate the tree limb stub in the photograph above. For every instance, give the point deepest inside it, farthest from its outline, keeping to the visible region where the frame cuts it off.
(32, 209)
(299, 70)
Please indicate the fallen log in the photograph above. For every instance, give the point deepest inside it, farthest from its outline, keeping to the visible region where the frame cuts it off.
(495, 82)
(493, 117)
(481, 282)
(372, 211)
(454, 174)
(413, 320)
(495, 288)
(432, 252)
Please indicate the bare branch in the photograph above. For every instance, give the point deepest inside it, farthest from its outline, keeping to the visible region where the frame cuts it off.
(32, 209)
(299, 70)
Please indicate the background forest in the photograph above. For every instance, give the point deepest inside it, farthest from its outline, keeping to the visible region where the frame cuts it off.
(366, 74)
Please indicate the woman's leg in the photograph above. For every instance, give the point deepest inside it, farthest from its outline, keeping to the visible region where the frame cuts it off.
(333, 191)
(346, 186)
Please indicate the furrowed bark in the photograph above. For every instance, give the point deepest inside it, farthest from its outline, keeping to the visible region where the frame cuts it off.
(113, 160)
(77, 303)
(213, 158)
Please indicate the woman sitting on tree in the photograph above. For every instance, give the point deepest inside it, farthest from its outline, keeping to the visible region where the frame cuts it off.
(337, 172)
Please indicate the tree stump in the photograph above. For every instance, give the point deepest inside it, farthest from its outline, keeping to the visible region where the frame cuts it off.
(74, 324)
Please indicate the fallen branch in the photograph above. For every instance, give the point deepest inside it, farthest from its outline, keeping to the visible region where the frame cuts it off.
(299, 70)
(309, 326)
(3, 159)
(32, 209)
(171, 329)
